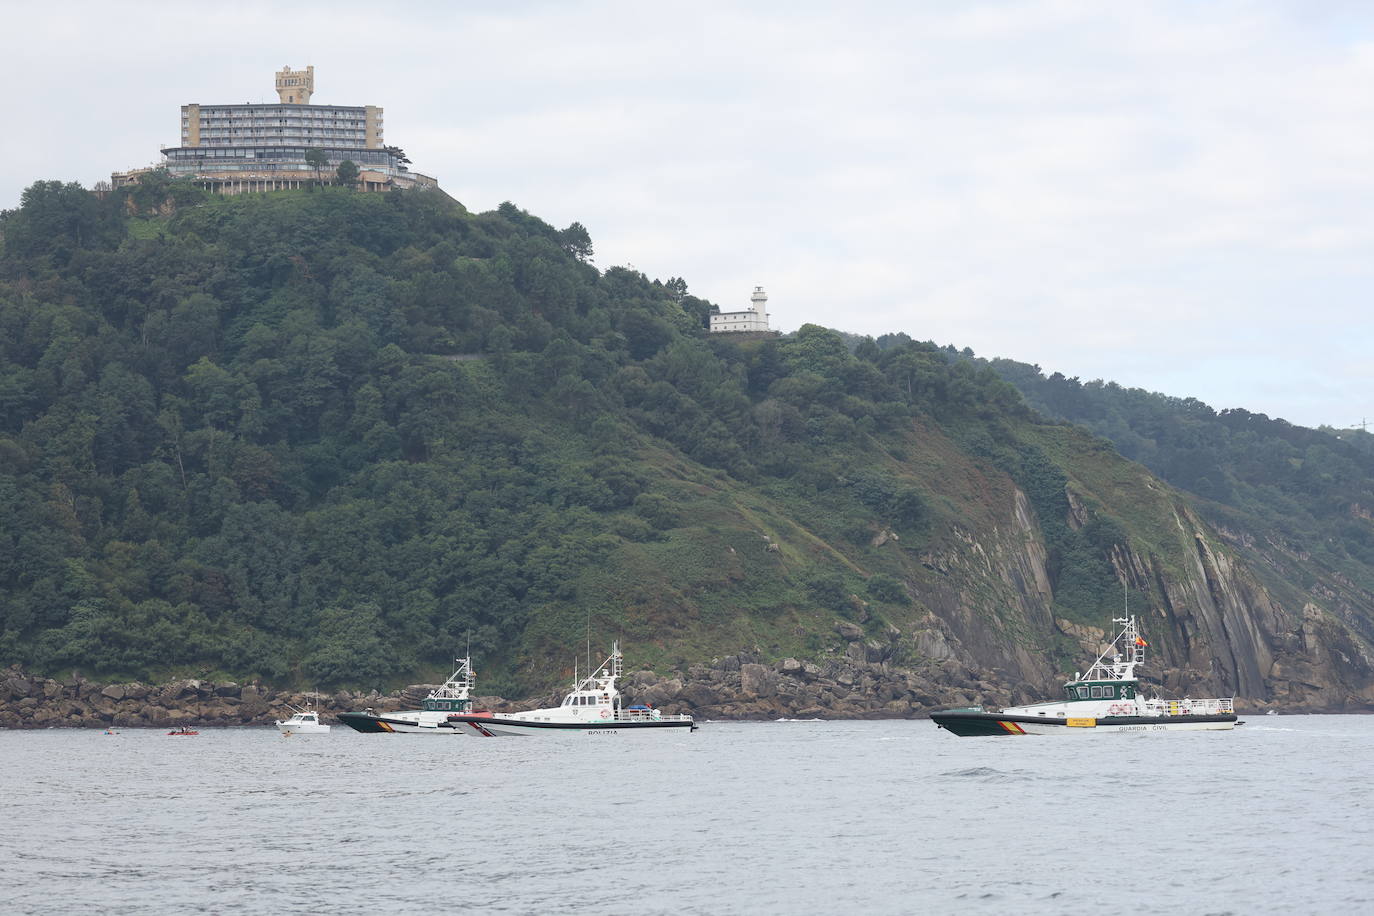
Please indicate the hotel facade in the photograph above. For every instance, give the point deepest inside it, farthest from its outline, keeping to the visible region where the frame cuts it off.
(232, 149)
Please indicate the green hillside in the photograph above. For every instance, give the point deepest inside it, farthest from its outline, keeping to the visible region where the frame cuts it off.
(1300, 501)
(330, 437)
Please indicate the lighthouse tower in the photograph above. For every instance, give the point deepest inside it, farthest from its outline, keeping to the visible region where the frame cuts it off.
(755, 319)
(758, 303)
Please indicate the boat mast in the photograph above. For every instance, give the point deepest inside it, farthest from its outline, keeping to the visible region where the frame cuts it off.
(1125, 652)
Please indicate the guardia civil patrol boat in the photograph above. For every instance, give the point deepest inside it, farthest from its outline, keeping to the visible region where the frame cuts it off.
(592, 708)
(1105, 699)
(452, 696)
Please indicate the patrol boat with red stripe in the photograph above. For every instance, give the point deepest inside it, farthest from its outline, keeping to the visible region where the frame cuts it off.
(1106, 699)
(593, 708)
(443, 701)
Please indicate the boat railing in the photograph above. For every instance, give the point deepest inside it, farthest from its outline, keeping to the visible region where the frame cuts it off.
(647, 715)
(1188, 707)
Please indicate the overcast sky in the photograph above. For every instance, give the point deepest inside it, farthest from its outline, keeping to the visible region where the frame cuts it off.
(1174, 196)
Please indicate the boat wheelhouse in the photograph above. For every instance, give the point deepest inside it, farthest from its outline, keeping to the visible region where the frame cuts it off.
(305, 720)
(592, 707)
(1107, 698)
(451, 697)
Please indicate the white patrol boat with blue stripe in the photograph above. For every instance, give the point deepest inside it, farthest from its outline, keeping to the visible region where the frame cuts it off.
(593, 708)
(1106, 699)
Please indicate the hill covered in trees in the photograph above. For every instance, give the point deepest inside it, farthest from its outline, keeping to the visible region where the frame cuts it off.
(1299, 501)
(327, 438)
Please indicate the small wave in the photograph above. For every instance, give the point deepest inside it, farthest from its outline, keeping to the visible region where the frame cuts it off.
(986, 774)
(798, 720)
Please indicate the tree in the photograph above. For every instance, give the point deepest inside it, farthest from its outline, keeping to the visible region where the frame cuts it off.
(317, 160)
(347, 173)
(151, 191)
(887, 589)
(577, 242)
(54, 220)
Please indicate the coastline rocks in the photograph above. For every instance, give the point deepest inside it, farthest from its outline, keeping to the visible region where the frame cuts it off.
(857, 684)
(861, 678)
(860, 683)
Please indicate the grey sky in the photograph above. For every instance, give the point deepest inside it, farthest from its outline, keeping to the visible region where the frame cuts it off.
(1176, 196)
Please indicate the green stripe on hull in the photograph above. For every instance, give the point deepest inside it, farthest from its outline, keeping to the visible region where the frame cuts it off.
(971, 725)
(362, 722)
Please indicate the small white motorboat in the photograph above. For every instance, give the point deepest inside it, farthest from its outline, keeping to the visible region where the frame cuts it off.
(304, 721)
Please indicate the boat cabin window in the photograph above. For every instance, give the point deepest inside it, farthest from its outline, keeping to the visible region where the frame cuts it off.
(1083, 693)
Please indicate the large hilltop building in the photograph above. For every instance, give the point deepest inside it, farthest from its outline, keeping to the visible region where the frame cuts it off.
(753, 320)
(230, 149)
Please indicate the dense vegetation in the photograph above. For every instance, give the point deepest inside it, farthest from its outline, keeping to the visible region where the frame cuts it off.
(331, 437)
(1311, 490)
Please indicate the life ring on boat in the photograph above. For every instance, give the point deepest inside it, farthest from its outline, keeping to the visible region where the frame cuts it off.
(605, 713)
(1115, 710)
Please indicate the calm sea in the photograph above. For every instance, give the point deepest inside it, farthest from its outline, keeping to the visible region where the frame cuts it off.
(787, 817)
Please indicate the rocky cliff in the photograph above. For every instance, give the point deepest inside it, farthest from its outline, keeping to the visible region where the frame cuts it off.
(1215, 627)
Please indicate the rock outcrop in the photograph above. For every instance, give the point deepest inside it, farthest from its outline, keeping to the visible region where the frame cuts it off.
(1217, 625)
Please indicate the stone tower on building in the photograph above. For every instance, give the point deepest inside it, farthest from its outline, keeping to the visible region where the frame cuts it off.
(295, 87)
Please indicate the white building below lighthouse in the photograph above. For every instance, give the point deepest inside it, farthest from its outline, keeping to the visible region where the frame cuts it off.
(754, 319)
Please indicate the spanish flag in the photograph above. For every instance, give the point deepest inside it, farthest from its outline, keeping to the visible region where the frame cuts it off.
(1140, 642)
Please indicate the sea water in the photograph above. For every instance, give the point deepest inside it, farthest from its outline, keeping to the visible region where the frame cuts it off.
(785, 817)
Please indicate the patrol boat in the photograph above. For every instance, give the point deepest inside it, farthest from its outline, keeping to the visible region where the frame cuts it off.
(443, 701)
(592, 708)
(1106, 699)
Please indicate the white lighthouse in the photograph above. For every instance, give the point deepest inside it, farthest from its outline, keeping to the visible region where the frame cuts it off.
(755, 318)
